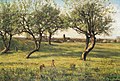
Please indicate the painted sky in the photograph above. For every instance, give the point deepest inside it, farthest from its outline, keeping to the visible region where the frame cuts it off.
(115, 26)
(115, 1)
(116, 17)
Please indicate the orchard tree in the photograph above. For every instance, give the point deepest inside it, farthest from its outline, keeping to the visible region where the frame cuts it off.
(90, 18)
(8, 23)
(27, 22)
(34, 22)
(52, 19)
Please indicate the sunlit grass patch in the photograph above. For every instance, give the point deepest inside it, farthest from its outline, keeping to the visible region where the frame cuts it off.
(102, 63)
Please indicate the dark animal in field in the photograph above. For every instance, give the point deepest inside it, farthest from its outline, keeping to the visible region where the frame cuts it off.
(42, 67)
(53, 63)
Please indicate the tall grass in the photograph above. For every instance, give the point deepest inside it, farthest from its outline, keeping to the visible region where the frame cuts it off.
(103, 63)
(82, 73)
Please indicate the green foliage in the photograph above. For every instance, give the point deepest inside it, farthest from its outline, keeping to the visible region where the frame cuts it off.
(34, 18)
(52, 20)
(9, 18)
(92, 17)
(8, 23)
(20, 45)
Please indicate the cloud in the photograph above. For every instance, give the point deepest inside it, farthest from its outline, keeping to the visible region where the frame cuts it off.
(116, 24)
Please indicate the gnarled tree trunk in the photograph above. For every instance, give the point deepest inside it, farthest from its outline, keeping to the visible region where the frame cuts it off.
(6, 45)
(49, 39)
(35, 49)
(37, 45)
(87, 41)
(89, 47)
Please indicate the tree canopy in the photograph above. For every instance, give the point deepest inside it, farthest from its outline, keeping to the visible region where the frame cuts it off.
(36, 17)
(90, 18)
(8, 23)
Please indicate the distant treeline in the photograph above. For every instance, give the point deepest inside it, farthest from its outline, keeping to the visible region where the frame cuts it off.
(68, 39)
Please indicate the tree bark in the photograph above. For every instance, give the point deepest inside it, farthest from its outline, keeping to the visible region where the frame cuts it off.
(49, 40)
(40, 40)
(87, 41)
(7, 46)
(35, 49)
(89, 48)
(28, 56)
(37, 45)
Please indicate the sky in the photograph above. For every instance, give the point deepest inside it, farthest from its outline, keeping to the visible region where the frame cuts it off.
(73, 34)
(116, 17)
(116, 25)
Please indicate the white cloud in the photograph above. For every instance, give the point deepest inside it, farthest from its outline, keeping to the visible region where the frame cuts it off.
(116, 24)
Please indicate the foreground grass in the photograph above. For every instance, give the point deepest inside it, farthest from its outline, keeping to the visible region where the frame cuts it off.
(103, 63)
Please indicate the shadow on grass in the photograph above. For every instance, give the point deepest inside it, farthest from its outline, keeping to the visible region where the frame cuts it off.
(105, 54)
(55, 48)
(62, 52)
(69, 54)
(8, 53)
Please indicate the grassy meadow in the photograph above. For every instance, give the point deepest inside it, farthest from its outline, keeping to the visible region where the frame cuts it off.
(103, 63)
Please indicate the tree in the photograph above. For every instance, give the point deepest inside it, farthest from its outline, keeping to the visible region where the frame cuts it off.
(8, 23)
(34, 22)
(27, 23)
(53, 20)
(90, 18)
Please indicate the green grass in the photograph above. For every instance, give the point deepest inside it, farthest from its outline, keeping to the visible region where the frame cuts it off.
(103, 63)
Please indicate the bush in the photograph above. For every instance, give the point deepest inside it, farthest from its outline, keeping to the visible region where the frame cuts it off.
(19, 44)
